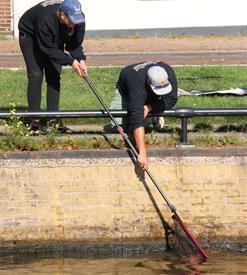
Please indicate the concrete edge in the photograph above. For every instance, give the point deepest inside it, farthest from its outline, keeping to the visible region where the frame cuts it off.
(125, 153)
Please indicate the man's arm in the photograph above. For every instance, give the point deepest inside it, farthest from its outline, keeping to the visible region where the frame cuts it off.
(74, 44)
(46, 37)
(139, 134)
(137, 111)
(74, 47)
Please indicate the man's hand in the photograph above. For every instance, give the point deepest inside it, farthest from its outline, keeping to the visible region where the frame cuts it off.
(158, 122)
(147, 110)
(142, 161)
(80, 67)
(83, 66)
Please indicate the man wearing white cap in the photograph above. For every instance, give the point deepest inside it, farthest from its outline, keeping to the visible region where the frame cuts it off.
(45, 32)
(148, 87)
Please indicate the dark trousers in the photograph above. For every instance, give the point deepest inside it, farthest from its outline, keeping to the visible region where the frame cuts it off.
(37, 65)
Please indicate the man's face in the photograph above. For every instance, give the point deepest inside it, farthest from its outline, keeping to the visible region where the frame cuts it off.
(66, 21)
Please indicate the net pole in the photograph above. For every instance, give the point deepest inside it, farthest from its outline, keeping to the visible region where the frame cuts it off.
(125, 137)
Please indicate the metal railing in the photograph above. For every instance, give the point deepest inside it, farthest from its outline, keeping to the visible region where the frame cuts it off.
(183, 113)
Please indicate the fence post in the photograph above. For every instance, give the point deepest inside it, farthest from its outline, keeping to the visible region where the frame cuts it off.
(184, 131)
(184, 113)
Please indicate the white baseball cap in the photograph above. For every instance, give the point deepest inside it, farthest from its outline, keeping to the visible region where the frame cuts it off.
(158, 80)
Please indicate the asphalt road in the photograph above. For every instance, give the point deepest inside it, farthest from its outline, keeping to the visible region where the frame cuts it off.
(15, 60)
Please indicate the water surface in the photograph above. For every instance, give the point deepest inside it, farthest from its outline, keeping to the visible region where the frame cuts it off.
(219, 262)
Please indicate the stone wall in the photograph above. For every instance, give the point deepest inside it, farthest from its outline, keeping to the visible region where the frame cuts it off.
(99, 195)
(5, 17)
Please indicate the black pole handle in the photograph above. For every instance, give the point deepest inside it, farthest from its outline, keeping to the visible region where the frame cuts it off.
(125, 137)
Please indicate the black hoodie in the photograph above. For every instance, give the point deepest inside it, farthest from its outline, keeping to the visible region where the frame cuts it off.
(42, 24)
(132, 84)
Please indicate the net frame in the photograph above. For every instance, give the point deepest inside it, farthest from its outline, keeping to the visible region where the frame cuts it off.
(183, 243)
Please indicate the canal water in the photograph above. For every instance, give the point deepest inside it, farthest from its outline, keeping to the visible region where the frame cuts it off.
(219, 262)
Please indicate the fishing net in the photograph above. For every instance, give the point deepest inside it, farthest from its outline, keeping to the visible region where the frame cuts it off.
(184, 243)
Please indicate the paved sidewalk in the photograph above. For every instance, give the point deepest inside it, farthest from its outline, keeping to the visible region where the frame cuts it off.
(184, 50)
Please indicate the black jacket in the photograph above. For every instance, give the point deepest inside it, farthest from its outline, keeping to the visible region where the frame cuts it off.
(42, 24)
(132, 84)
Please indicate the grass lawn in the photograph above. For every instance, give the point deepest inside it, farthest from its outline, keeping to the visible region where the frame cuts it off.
(76, 95)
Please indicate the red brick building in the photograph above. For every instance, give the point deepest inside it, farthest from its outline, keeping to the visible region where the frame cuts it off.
(5, 17)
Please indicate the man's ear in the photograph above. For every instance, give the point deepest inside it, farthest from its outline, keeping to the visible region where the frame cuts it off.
(62, 15)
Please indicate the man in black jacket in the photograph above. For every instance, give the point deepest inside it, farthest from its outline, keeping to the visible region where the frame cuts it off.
(143, 88)
(46, 31)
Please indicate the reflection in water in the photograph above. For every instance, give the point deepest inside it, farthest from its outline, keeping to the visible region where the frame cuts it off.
(219, 262)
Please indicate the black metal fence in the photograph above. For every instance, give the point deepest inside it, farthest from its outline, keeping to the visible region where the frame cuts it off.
(182, 113)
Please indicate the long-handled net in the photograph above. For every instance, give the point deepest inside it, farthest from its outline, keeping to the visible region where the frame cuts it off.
(186, 242)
